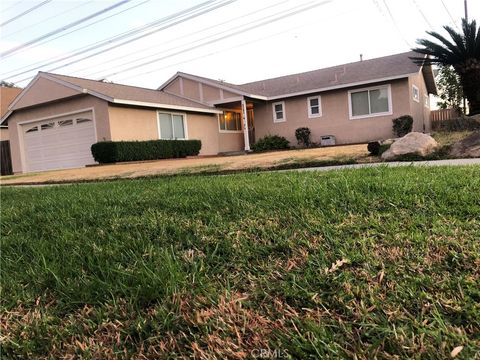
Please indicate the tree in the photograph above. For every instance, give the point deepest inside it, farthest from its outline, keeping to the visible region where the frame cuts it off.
(450, 89)
(4, 83)
(462, 53)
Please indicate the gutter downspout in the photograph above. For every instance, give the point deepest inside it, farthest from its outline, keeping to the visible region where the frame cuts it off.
(246, 138)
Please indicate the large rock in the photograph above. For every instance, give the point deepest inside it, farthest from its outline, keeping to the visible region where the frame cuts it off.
(413, 143)
(468, 147)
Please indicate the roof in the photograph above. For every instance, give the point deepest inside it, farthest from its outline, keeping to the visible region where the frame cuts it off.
(119, 94)
(7, 95)
(387, 67)
(356, 73)
(129, 93)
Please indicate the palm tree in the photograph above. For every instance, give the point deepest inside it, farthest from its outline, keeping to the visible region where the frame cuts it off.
(463, 53)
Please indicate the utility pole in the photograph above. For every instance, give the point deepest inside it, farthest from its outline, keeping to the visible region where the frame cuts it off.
(466, 10)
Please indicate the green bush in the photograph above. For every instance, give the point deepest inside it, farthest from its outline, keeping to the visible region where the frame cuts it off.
(402, 125)
(118, 151)
(457, 124)
(271, 142)
(303, 136)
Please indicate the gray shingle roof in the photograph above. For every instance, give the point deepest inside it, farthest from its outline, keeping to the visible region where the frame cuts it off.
(131, 93)
(356, 72)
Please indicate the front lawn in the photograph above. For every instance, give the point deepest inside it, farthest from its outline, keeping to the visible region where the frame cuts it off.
(379, 262)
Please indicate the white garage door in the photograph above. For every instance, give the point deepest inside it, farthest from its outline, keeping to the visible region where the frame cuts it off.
(59, 143)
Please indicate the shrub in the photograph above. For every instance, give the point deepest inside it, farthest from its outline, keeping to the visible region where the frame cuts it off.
(271, 142)
(373, 147)
(402, 125)
(303, 136)
(377, 149)
(118, 151)
(457, 124)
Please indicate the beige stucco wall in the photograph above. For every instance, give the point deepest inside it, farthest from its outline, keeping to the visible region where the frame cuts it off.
(4, 134)
(418, 110)
(335, 117)
(128, 123)
(198, 91)
(44, 90)
(41, 112)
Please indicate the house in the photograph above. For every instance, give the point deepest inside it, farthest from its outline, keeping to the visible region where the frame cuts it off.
(54, 121)
(7, 94)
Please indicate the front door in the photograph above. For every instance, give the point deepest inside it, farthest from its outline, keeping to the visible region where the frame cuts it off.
(251, 126)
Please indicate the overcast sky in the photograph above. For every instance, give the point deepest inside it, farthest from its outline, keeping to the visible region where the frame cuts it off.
(234, 40)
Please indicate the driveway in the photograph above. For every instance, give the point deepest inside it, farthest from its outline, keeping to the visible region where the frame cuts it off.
(191, 165)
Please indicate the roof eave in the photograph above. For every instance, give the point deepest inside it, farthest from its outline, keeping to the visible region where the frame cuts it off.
(342, 86)
(165, 106)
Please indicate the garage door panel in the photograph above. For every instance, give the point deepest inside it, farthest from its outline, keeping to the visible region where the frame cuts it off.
(65, 144)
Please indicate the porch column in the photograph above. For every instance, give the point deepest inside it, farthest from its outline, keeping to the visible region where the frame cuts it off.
(245, 125)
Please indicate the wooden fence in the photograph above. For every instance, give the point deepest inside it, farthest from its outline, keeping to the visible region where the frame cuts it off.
(5, 158)
(443, 114)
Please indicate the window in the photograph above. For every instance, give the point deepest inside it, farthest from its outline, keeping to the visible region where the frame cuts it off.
(65, 122)
(82, 120)
(279, 112)
(32, 129)
(230, 121)
(314, 107)
(172, 126)
(426, 100)
(415, 93)
(370, 102)
(47, 126)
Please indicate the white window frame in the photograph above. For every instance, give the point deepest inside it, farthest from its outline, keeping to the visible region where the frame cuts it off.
(309, 106)
(416, 90)
(426, 101)
(385, 113)
(274, 113)
(185, 127)
(220, 130)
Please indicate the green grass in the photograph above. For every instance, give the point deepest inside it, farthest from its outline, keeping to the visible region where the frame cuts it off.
(379, 262)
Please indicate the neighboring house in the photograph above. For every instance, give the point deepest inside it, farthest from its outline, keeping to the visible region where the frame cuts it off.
(56, 118)
(7, 94)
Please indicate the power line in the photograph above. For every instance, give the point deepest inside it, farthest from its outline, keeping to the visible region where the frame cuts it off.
(48, 18)
(227, 49)
(106, 41)
(449, 14)
(225, 36)
(127, 34)
(188, 35)
(80, 28)
(15, 4)
(63, 28)
(395, 23)
(423, 14)
(25, 12)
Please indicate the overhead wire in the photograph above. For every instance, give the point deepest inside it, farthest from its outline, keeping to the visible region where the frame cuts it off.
(177, 39)
(104, 42)
(183, 16)
(63, 28)
(223, 37)
(16, 17)
(423, 14)
(84, 26)
(46, 19)
(223, 50)
(396, 24)
(449, 14)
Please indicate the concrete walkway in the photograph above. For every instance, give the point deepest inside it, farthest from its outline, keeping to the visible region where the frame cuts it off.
(449, 162)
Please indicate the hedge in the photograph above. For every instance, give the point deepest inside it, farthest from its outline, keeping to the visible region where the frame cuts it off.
(118, 151)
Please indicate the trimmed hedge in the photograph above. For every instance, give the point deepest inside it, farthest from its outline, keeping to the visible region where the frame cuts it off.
(271, 142)
(118, 151)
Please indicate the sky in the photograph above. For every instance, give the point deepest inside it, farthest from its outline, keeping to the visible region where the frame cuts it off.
(237, 41)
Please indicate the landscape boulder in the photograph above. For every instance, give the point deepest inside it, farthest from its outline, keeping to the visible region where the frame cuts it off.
(467, 147)
(413, 143)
